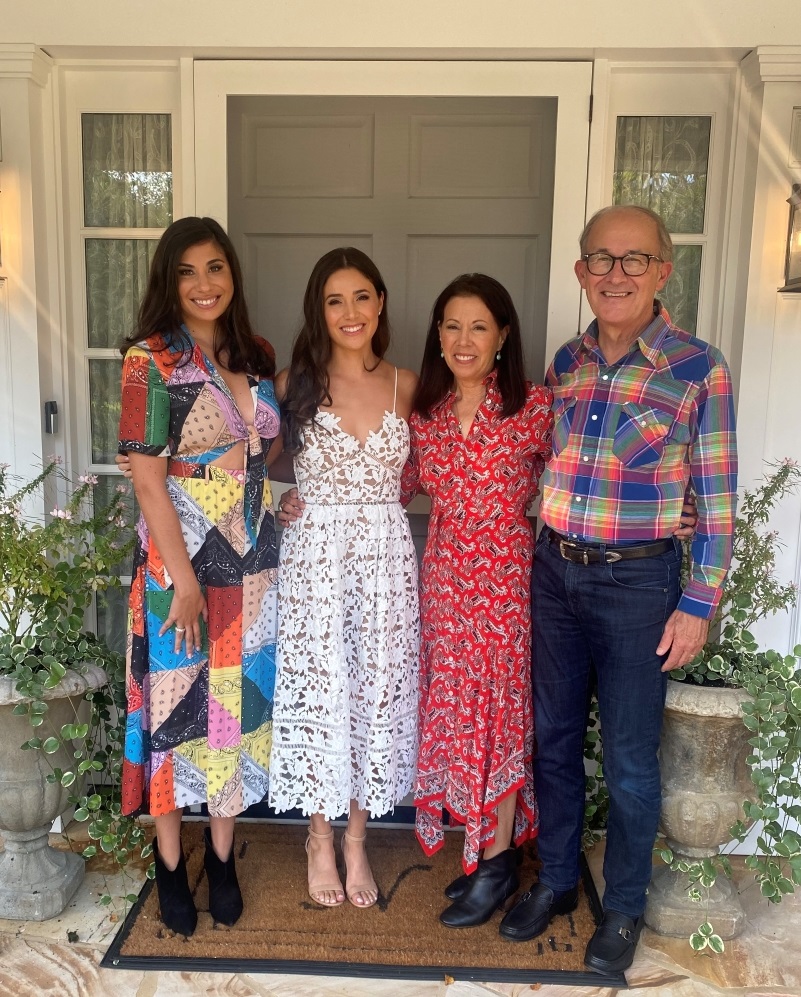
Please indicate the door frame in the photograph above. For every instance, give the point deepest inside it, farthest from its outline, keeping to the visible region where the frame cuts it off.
(569, 82)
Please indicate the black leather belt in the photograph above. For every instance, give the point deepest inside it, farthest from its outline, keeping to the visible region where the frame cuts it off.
(580, 553)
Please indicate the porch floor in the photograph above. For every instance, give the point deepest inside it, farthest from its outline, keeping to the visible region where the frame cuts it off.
(38, 960)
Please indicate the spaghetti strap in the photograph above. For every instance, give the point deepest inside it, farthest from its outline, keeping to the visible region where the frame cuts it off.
(395, 396)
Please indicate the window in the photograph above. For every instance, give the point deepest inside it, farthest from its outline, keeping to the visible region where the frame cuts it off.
(662, 163)
(127, 202)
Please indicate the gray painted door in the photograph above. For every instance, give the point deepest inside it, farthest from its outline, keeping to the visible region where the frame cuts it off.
(429, 187)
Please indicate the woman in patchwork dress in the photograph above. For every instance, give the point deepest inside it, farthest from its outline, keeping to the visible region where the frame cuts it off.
(198, 419)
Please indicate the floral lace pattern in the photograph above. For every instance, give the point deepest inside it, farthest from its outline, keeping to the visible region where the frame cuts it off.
(346, 698)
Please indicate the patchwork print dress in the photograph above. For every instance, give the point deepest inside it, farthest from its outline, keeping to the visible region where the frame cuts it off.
(199, 727)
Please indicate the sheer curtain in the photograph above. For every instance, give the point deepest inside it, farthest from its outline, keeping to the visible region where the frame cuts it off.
(127, 170)
(127, 188)
(662, 163)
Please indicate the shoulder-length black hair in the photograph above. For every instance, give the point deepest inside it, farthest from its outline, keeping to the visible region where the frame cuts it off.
(307, 382)
(436, 379)
(160, 310)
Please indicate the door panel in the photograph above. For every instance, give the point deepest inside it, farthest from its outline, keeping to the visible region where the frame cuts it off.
(430, 187)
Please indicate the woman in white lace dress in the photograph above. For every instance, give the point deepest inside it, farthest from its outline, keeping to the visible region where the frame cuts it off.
(346, 696)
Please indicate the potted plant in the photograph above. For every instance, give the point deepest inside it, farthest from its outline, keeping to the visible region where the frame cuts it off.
(730, 748)
(61, 688)
(731, 745)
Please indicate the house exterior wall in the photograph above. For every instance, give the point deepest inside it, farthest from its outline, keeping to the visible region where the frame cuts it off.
(48, 45)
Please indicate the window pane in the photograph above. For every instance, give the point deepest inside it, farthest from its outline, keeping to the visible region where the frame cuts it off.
(127, 170)
(103, 494)
(661, 163)
(116, 277)
(112, 617)
(680, 294)
(104, 408)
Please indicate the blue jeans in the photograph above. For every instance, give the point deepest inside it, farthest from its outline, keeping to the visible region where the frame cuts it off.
(602, 623)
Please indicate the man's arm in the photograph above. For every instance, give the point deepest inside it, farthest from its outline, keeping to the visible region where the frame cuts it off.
(713, 474)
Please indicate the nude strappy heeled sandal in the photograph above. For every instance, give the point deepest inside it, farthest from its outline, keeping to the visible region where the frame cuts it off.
(361, 887)
(318, 888)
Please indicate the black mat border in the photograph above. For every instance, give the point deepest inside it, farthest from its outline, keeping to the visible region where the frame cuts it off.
(114, 959)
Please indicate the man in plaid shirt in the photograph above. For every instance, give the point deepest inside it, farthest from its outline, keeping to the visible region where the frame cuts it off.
(642, 412)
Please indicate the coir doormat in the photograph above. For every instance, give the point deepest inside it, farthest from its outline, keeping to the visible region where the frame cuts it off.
(283, 931)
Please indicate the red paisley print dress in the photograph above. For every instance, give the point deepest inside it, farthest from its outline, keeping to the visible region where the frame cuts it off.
(476, 725)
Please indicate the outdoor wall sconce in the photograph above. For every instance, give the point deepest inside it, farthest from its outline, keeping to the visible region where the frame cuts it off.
(792, 262)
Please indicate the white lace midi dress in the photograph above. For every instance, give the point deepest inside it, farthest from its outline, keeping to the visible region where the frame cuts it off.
(346, 698)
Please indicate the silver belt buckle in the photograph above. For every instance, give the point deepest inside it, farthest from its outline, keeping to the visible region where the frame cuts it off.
(564, 544)
(613, 556)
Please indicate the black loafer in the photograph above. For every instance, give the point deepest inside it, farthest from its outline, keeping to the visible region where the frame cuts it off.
(611, 948)
(535, 910)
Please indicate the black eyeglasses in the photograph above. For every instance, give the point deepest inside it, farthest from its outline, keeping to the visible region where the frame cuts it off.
(632, 264)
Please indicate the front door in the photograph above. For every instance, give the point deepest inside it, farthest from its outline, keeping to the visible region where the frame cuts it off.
(429, 187)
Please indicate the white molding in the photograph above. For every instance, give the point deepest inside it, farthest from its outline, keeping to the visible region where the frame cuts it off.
(23, 61)
(185, 143)
(772, 64)
(794, 159)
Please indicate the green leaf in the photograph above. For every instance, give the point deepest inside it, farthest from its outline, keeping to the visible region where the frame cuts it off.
(715, 942)
(697, 942)
(68, 778)
(51, 745)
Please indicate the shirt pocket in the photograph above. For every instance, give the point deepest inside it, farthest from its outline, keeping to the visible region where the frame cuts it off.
(641, 434)
(563, 410)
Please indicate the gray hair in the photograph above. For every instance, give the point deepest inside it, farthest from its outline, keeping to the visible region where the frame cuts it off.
(665, 242)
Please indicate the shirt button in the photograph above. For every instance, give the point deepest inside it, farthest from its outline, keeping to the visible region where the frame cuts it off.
(643, 422)
(594, 418)
(606, 377)
(585, 458)
(578, 498)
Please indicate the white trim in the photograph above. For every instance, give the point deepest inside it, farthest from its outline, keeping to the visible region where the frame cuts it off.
(570, 83)
(25, 61)
(772, 64)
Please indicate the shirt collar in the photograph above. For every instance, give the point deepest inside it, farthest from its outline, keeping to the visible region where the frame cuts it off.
(490, 382)
(650, 339)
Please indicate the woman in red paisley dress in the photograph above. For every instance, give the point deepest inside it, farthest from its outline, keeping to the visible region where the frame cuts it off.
(480, 437)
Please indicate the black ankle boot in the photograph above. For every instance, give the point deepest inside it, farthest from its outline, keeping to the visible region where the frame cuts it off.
(456, 889)
(175, 898)
(225, 897)
(490, 886)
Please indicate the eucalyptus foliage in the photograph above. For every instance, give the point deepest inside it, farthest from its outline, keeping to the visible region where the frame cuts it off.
(50, 570)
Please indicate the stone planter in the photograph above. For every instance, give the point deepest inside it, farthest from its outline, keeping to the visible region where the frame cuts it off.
(705, 781)
(37, 881)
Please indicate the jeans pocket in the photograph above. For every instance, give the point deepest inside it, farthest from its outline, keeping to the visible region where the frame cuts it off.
(657, 573)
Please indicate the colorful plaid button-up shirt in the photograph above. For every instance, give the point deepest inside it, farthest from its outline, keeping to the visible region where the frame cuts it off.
(629, 437)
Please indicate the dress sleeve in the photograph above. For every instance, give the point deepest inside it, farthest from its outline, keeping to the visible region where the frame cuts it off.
(539, 423)
(145, 412)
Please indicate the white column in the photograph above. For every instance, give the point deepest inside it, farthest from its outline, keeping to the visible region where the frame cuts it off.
(24, 75)
(769, 406)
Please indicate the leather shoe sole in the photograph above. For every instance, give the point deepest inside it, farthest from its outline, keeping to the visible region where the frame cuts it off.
(612, 946)
(535, 910)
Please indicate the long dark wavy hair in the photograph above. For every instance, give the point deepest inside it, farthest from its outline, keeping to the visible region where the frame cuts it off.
(436, 379)
(160, 310)
(307, 385)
